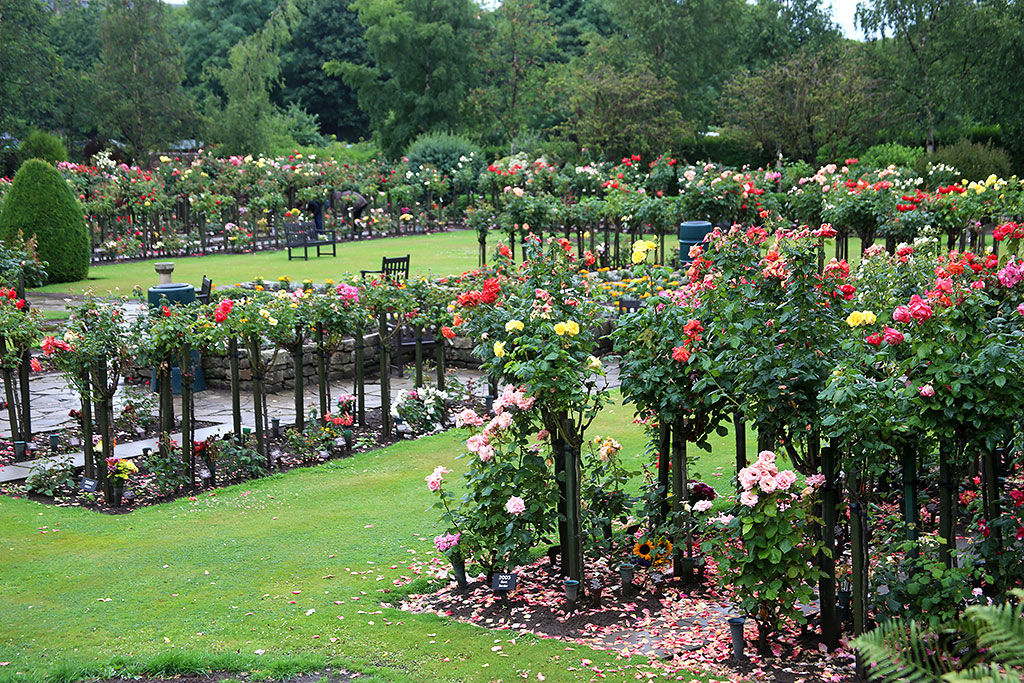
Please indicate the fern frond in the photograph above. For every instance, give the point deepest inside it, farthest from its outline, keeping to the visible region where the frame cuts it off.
(902, 652)
(1000, 630)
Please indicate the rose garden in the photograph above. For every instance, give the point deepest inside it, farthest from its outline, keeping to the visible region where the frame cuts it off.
(787, 448)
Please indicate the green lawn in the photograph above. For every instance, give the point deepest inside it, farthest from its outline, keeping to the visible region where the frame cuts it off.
(439, 254)
(219, 575)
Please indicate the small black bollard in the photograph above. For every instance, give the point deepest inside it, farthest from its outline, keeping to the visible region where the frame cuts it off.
(736, 631)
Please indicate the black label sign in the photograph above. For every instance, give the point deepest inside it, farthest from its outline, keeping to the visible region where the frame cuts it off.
(89, 485)
(504, 582)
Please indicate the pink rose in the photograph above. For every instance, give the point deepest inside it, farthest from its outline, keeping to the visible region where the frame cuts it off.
(433, 483)
(486, 452)
(474, 442)
(919, 309)
(816, 480)
(748, 478)
(927, 391)
(785, 479)
(702, 505)
(515, 505)
(748, 498)
(543, 435)
(902, 314)
(468, 418)
(892, 336)
(766, 458)
(1020, 309)
(768, 484)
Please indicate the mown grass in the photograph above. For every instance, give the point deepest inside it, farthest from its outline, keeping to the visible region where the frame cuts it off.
(435, 255)
(194, 581)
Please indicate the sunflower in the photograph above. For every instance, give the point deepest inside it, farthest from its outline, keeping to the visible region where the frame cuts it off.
(664, 548)
(643, 550)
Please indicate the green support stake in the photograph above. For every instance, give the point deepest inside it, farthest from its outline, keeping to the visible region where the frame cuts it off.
(187, 445)
(946, 511)
(679, 497)
(90, 461)
(300, 418)
(439, 353)
(321, 370)
(419, 357)
(12, 404)
(827, 557)
(664, 458)
(573, 553)
(991, 464)
(360, 383)
(24, 369)
(385, 375)
(236, 390)
(739, 426)
(859, 569)
(908, 466)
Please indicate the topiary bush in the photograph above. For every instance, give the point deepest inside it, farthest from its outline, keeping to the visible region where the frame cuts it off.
(974, 160)
(442, 150)
(41, 145)
(41, 207)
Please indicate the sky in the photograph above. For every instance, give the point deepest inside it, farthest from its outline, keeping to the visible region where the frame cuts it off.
(842, 12)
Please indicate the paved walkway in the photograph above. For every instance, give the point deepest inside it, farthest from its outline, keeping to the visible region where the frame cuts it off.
(52, 400)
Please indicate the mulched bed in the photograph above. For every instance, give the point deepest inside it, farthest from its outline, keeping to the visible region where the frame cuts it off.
(682, 632)
(326, 676)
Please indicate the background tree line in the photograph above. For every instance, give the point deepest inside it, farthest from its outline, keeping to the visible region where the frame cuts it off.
(727, 80)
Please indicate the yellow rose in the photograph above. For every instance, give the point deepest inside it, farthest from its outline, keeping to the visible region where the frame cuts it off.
(272, 321)
(855, 319)
(499, 349)
(594, 364)
(639, 256)
(572, 327)
(560, 329)
(514, 326)
(650, 245)
(869, 318)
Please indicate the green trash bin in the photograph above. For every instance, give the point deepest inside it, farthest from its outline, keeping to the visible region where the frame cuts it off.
(691, 233)
(177, 293)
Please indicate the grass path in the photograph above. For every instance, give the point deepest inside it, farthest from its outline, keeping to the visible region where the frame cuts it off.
(220, 574)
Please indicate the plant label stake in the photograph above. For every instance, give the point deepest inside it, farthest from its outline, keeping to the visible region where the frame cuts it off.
(88, 485)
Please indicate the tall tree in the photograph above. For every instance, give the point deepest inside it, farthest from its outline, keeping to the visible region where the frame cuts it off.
(512, 50)
(75, 35)
(775, 29)
(929, 49)
(254, 65)
(211, 28)
(808, 102)
(139, 76)
(28, 64)
(421, 68)
(330, 31)
(694, 43)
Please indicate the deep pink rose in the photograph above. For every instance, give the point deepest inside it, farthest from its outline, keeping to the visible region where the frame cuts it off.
(927, 390)
(893, 336)
(902, 314)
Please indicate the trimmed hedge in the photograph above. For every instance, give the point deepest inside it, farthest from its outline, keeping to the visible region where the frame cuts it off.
(41, 145)
(40, 203)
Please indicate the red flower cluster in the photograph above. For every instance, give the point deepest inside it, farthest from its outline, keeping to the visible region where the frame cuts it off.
(1005, 231)
(692, 330)
(51, 345)
(223, 308)
(488, 294)
(11, 295)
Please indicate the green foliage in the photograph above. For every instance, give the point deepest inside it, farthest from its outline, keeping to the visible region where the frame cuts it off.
(239, 461)
(140, 74)
(973, 159)
(41, 206)
(881, 156)
(420, 70)
(15, 261)
(986, 646)
(441, 150)
(55, 481)
(254, 65)
(167, 468)
(41, 145)
(28, 65)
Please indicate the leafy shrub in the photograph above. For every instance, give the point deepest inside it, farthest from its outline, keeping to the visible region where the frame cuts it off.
(974, 160)
(881, 156)
(15, 261)
(41, 206)
(137, 410)
(55, 481)
(442, 150)
(41, 145)
(168, 471)
(238, 461)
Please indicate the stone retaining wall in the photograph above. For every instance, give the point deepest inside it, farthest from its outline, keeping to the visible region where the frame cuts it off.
(458, 352)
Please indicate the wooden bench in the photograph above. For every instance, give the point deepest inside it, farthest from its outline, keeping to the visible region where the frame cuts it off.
(203, 295)
(304, 236)
(391, 268)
